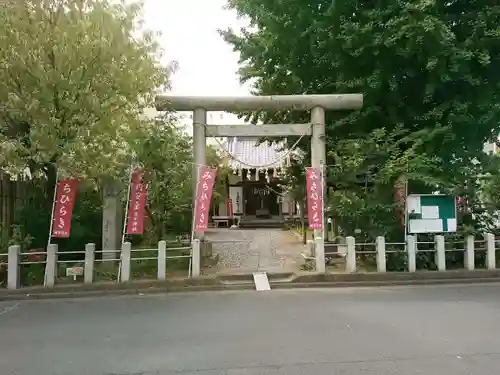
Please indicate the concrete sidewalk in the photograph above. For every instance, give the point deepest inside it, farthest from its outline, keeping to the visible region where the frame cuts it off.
(245, 281)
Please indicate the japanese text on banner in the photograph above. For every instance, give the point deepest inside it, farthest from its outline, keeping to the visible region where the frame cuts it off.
(63, 208)
(204, 189)
(314, 190)
(137, 204)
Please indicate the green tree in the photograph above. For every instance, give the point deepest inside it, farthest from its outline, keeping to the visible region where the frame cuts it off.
(75, 78)
(166, 156)
(427, 66)
(426, 70)
(363, 178)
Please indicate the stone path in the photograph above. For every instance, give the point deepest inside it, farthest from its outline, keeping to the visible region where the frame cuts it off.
(251, 250)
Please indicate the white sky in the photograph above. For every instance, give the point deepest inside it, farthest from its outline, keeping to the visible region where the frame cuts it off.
(207, 65)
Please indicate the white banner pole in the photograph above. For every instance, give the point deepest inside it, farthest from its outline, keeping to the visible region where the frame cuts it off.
(406, 213)
(195, 206)
(323, 182)
(125, 219)
(51, 226)
(127, 204)
(51, 223)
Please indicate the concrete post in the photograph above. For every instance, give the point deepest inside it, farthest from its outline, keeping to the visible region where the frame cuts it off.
(111, 219)
(13, 274)
(350, 263)
(125, 256)
(411, 248)
(320, 254)
(196, 258)
(381, 260)
(440, 252)
(489, 238)
(162, 260)
(199, 149)
(51, 266)
(469, 253)
(311, 247)
(318, 155)
(88, 271)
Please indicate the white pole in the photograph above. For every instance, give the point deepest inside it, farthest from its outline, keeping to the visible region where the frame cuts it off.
(127, 204)
(125, 219)
(195, 202)
(51, 225)
(194, 218)
(325, 226)
(406, 212)
(52, 212)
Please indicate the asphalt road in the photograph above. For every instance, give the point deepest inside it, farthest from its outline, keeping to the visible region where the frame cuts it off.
(442, 330)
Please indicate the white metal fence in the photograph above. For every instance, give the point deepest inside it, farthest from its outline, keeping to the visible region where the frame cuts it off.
(410, 250)
(123, 259)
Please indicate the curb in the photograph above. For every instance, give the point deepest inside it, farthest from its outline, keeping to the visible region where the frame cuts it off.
(134, 289)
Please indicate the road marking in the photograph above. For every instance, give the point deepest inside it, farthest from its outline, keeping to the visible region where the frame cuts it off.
(7, 309)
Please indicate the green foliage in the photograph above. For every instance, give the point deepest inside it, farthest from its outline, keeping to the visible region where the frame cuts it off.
(75, 78)
(428, 75)
(363, 176)
(33, 218)
(426, 66)
(166, 155)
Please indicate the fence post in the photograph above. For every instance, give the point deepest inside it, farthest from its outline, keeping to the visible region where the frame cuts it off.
(351, 254)
(125, 256)
(320, 254)
(162, 260)
(440, 252)
(13, 274)
(88, 271)
(380, 247)
(196, 259)
(490, 251)
(411, 248)
(469, 253)
(311, 248)
(51, 266)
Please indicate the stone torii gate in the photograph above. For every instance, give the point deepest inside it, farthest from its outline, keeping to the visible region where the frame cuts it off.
(317, 104)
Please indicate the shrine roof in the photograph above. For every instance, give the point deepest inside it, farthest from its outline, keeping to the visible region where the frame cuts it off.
(248, 153)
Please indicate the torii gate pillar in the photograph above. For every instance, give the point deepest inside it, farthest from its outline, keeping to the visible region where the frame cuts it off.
(199, 142)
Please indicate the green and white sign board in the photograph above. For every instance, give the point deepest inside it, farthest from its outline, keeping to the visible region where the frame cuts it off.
(431, 213)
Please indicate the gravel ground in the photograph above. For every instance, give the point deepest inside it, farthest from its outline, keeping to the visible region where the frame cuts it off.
(250, 250)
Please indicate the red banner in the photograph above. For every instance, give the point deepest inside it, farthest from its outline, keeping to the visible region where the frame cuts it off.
(204, 189)
(230, 208)
(63, 208)
(137, 204)
(314, 198)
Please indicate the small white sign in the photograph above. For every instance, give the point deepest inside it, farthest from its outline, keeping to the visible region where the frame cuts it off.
(430, 212)
(413, 204)
(425, 226)
(74, 271)
(452, 225)
(261, 281)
